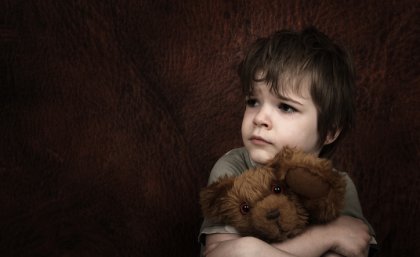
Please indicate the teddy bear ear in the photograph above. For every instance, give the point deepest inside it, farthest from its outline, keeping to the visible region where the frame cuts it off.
(213, 196)
(305, 183)
(277, 163)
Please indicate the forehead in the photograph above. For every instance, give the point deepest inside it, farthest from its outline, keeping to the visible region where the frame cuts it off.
(285, 84)
(282, 91)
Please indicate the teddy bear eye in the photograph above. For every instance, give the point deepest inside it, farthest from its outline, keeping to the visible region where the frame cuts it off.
(244, 208)
(276, 189)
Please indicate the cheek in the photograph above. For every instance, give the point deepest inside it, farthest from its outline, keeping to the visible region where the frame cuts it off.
(302, 135)
(246, 122)
(309, 140)
(248, 114)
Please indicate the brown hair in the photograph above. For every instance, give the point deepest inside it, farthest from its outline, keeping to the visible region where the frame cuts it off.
(286, 58)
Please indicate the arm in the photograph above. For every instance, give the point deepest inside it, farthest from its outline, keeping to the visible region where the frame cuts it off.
(232, 245)
(346, 236)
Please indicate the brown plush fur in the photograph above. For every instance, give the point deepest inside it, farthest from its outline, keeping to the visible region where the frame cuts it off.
(311, 192)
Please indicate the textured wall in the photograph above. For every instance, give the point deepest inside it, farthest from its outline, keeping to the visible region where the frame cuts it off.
(112, 114)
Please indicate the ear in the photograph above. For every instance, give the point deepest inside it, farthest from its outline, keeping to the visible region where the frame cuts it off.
(332, 136)
(213, 196)
(306, 184)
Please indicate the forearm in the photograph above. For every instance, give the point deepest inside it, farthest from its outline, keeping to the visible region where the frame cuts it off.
(344, 236)
(235, 246)
(311, 243)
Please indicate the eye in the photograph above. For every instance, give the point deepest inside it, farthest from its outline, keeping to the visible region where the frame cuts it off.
(251, 102)
(276, 188)
(244, 208)
(287, 108)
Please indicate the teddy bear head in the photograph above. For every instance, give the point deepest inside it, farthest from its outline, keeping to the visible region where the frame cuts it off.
(276, 201)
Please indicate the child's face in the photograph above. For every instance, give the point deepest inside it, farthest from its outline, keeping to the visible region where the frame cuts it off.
(271, 122)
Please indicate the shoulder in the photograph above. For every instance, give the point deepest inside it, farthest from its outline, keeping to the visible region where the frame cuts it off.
(351, 190)
(233, 163)
(351, 195)
(352, 206)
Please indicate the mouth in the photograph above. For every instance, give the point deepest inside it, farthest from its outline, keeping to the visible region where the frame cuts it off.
(256, 140)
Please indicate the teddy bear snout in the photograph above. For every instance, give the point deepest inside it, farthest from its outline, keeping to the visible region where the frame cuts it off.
(273, 214)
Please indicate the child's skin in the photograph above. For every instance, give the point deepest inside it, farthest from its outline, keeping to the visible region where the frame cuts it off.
(270, 122)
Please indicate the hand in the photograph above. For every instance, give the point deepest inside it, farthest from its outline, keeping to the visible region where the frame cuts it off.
(350, 237)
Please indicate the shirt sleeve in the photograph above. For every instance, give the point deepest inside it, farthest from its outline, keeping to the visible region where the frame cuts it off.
(352, 205)
(233, 163)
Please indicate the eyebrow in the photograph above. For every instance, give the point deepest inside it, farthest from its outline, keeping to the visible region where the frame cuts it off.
(283, 98)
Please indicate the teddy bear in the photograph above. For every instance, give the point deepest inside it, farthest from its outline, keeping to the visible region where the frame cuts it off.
(279, 200)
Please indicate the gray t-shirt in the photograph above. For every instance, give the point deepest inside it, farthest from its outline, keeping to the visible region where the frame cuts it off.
(236, 161)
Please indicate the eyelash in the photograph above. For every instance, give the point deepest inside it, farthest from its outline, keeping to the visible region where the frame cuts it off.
(251, 102)
(287, 108)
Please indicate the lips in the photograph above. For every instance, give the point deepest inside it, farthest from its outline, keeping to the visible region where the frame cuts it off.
(259, 141)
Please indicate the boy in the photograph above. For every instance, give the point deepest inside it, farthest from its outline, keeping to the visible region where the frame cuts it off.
(299, 92)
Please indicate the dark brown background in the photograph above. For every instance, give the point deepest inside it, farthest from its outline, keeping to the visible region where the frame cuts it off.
(113, 112)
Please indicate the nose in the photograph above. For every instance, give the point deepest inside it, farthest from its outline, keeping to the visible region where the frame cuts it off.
(272, 214)
(262, 118)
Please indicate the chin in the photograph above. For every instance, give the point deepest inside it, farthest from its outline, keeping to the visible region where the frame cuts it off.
(260, 156)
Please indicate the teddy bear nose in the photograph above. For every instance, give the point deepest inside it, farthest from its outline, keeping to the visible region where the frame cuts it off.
(273, 214)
